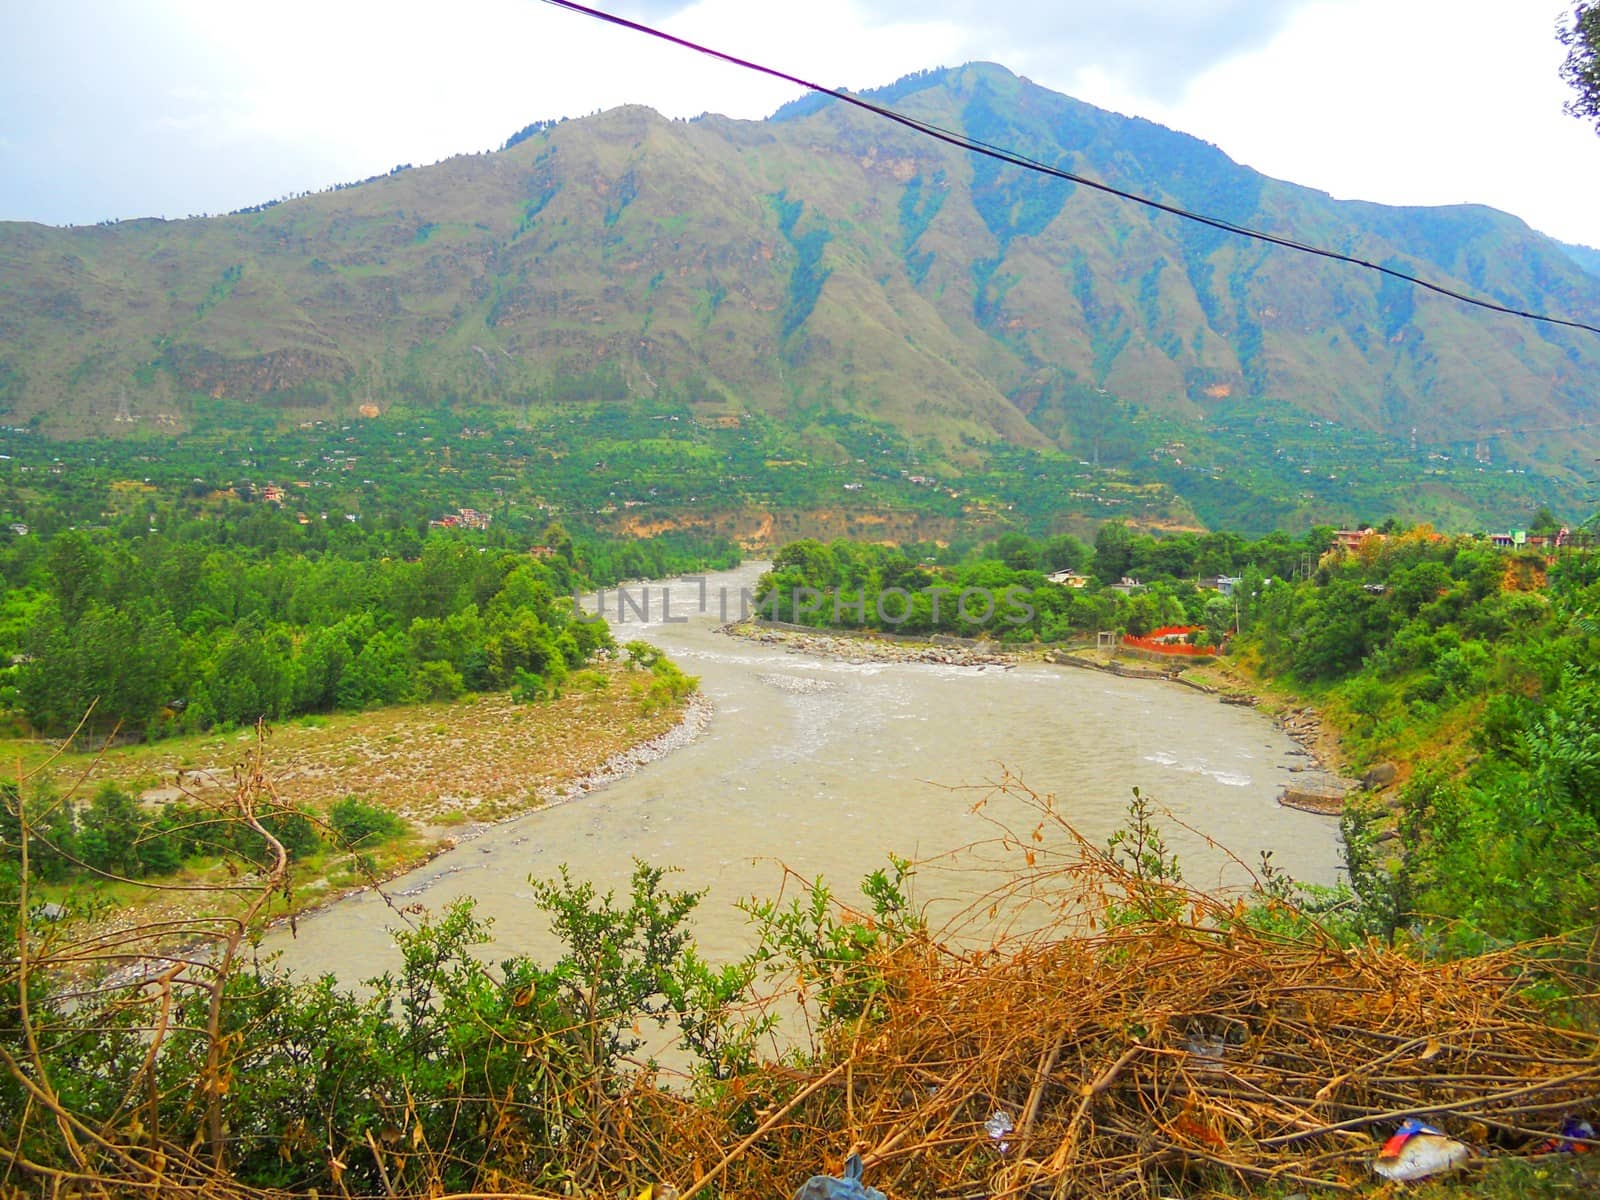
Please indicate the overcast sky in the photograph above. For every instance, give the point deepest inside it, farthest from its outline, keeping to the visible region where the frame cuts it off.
(124, 108)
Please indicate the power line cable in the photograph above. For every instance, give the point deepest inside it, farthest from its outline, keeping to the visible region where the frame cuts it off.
(1002, 154)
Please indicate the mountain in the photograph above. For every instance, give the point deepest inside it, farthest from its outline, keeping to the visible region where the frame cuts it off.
(821, 259)
(1586, 257)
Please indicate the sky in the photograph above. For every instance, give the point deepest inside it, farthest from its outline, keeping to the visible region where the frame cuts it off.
(128, 108)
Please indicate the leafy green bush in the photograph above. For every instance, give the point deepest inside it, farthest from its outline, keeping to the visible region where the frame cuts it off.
(831, 954)
(361, 824)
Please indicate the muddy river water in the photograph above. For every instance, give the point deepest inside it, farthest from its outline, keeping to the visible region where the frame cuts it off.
(828, 766)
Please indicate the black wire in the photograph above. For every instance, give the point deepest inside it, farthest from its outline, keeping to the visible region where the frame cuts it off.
(973, 145)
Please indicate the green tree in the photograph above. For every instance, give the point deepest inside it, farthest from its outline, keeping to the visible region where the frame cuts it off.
(1219, 612)
(806, 563)
(379, 674)
(438, 680)
(1247, 592)
(1113, 551)
(1017, 551)
(361, 824)
(250, 677)
(111, 830)
(77, 573)
(618, 959)
(1064, 552)
(52, 833)
(1581, 70)
(1544, 523)
(560, 542)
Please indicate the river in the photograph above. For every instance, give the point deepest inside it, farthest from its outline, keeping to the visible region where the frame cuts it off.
(828, 766)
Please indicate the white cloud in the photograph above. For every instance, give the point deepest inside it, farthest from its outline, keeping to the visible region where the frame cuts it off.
(132, 107)
(1155, 46)
(1420, 102)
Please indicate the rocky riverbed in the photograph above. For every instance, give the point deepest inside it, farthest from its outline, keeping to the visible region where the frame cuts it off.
(864, 648)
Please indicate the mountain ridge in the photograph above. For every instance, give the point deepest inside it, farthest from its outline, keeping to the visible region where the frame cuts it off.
(820, 257)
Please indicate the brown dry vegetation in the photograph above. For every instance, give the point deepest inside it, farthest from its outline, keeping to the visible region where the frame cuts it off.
(485, 757)
(1184, 1047)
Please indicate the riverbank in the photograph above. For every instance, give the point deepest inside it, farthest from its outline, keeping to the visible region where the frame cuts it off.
(694, 715)
(863, 647)
(1325, 780)
(450, 771)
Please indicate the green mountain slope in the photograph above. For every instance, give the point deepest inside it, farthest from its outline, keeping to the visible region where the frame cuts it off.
(822, 259)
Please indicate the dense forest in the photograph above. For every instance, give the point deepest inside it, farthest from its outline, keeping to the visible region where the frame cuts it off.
(1476, 668)
(227, 622)
(919, 590)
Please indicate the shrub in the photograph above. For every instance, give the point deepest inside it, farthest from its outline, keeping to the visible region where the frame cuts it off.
(438, 680)
(360, 824)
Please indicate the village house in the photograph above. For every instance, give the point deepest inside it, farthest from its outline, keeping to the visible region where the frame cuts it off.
(1351, 539)
(462, 518)
(1518, 539)
(1068, 578)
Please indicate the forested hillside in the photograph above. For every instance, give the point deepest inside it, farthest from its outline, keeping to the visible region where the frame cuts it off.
(823, 262)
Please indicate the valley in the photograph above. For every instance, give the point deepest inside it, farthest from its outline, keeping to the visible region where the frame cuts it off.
(346, 853)
(826, 767)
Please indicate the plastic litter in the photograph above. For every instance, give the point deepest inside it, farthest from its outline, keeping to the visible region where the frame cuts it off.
(1417, 1151)
(1571, 1127)
(826, 1187)
(997, 1127)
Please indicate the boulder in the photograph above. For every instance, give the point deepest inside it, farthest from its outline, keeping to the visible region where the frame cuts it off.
(1379, 776)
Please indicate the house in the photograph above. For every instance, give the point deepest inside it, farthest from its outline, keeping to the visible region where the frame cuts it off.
(1351, 539)
(1515, 539)
(1068, 579)
(1223, 584)
(462, 518)
(1520, 539)
(1127, 585)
